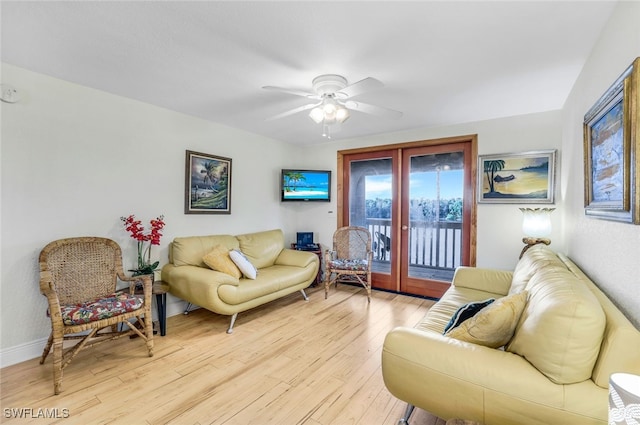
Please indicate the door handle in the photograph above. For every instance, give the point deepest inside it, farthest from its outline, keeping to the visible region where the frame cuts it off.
(405, 227)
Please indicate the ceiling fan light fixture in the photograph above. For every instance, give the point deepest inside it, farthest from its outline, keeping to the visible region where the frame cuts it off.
(317, 114)
(329, 109)
(335, 104)
(330, 112)
(342, 114)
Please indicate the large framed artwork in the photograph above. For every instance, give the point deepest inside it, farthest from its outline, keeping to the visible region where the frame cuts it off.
(207, 184)
(517, 178)
(611, 143)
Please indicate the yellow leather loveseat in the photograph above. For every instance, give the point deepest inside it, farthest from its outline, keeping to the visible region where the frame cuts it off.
(280, 271)
(567, 339)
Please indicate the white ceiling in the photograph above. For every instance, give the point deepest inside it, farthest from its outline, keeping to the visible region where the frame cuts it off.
(442, 62)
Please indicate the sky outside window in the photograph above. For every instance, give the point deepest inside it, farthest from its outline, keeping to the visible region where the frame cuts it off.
(423, 185)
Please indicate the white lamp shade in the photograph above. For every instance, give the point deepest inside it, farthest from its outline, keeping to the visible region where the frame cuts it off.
(624, 399)
(536, 222)
(317, 114)
(329, 107)
(342, 114)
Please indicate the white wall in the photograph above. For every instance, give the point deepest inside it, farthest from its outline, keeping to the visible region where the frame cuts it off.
(499, 225)
(607, 251)
(75, 159)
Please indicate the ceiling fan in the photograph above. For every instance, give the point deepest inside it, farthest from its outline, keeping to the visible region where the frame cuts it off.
(333, 101)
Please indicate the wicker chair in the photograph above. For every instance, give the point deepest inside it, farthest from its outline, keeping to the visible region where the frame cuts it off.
(350, 259)
(79, 277)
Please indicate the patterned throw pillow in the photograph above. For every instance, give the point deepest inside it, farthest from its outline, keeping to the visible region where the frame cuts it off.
(495, 325)
(465, 312)
(219, 259)
(245, 266)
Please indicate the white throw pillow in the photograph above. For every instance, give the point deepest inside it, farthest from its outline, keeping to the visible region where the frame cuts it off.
(245, 266)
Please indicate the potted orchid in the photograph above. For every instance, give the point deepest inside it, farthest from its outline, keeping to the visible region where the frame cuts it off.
(136, 230)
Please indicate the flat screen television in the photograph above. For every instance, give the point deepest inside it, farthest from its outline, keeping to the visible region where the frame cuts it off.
(305, 185)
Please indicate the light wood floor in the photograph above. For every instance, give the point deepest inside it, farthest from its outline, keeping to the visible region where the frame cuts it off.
(289, 362)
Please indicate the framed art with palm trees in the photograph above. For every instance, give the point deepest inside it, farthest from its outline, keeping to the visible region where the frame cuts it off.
(517, 178)
(207, 184)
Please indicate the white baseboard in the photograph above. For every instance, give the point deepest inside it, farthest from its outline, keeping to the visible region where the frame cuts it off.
(22, 352)
(31, 350)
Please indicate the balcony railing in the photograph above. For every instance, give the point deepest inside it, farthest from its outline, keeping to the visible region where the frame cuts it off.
(432, 244)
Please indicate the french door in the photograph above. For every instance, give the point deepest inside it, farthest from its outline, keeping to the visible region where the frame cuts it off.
(417, 200)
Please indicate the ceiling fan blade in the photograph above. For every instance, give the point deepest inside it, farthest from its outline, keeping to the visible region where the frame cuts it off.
(290, 91)
(360, 87)
(373, 109)
(293, 111)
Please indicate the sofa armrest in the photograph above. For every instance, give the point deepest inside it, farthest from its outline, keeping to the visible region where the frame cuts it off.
(293, 257)
(414, 362)
(488, 280)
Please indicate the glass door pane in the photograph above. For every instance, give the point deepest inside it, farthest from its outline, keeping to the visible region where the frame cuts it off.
(371, 203)
(436, 189)
(435, 208)
(373, 184)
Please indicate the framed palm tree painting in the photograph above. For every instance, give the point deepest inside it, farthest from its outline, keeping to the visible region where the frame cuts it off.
(207, 184)
(517, 178)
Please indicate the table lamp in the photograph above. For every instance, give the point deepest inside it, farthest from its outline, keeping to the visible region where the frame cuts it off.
(536, 225)
(624, 399)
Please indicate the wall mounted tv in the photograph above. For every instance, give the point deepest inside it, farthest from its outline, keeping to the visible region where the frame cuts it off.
(305, 185)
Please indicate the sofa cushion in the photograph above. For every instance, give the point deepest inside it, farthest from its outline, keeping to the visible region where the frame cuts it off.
(269, 281)
(492, 326)
(189, 251)
(248, 270)
(219, 259)
(352, 265)
(439, 315)
(101, 308)
(561, 327)
(465, 312)
(262, 248)
(534, 259)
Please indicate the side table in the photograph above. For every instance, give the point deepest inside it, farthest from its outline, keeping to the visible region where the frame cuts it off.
(160, 289)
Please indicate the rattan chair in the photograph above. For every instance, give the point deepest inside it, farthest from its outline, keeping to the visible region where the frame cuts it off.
(350, 259)
(79, 277)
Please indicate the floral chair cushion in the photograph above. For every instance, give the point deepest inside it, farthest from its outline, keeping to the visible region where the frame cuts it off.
(102, 308)
(354, 265)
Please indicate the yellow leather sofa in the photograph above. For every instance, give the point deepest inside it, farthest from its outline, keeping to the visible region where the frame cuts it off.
(280, 272)
(568, 339)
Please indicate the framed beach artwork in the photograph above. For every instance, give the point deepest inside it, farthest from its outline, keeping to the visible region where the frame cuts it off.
(517, 178)
(611, 143)
(207, 184)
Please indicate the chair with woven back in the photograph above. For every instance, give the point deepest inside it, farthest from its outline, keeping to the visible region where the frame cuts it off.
(79, 277)
(350, 259)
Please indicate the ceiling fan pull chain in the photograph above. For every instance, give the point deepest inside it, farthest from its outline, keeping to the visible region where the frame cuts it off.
(326, 131)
